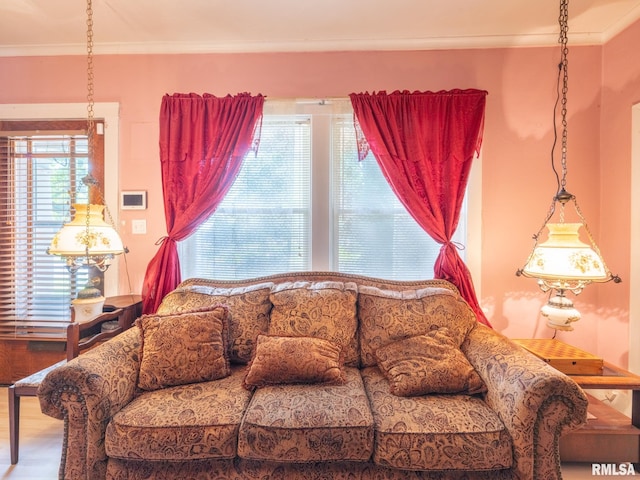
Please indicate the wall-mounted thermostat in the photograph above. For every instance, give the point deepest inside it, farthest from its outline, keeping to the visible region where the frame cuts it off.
(133, 200)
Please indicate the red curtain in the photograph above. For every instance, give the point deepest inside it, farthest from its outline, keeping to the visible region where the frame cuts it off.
(424, 143)
(203, 140)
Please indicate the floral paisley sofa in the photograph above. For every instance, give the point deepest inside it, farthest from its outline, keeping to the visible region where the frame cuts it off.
(312, 375)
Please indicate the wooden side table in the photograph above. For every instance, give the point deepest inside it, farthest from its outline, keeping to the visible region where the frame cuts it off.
(119, 314)
(131, 304)
(609, 436)
(41, 344)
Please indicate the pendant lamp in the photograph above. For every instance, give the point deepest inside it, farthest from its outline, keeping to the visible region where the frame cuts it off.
(564, 262)
(88, 240)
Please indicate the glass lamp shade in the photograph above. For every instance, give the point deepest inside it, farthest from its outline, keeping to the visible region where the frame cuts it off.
(92, 242)
(564, 261)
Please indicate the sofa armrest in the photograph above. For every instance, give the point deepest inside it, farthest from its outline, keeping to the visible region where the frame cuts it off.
(536, 402)
(86, 392)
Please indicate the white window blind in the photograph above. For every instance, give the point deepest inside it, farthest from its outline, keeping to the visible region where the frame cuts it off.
(305, 202)
(39, 173)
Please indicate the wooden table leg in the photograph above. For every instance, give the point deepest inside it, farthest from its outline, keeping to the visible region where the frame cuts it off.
(14, 424)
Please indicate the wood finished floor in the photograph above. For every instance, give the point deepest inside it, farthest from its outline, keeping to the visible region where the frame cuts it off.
(41, 444)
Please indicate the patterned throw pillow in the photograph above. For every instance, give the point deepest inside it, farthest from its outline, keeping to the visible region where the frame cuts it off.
(278, 360)
(430, 363)
(317, 309)
(183, 348)
(389, 315)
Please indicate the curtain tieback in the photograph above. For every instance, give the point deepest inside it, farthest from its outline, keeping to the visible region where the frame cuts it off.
(457, 245)
(161, 240)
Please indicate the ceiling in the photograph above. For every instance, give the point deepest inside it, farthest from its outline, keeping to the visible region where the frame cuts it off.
(58, 27)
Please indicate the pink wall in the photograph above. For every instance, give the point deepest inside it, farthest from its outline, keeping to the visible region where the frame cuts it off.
(518, 184)
(620, 91)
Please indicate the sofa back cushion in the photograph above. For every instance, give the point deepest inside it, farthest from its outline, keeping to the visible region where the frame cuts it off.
(249, 308)
(317, 309)
(389, 315)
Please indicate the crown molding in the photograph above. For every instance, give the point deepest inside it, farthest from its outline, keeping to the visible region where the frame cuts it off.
(440, 43)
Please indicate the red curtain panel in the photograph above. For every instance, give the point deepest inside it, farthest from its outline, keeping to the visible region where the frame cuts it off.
(424, 143)
(203, 140)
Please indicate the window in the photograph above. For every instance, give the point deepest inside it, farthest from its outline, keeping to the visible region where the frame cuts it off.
(304, 202)
(42, 165)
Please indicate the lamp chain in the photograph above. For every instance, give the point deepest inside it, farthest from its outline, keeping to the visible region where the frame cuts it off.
(90, 120)
(563, 20)
(89, 180)
(90, 100)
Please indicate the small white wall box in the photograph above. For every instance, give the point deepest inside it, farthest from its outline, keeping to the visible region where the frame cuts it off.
(133, 200)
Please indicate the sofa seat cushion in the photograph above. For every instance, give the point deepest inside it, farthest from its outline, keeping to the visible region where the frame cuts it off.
(196, 421)
(435, 432)
(308, 423)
